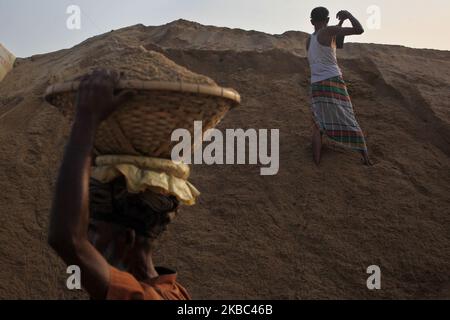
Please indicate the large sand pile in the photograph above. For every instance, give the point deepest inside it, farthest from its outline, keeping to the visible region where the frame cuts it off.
(308, 232)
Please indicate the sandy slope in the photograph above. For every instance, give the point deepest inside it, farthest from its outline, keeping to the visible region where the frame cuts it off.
(306, 233)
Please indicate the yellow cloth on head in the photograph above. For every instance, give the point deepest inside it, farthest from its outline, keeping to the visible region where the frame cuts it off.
(144, 173)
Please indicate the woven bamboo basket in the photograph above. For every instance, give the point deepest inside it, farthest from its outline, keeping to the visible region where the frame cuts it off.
(144, 125)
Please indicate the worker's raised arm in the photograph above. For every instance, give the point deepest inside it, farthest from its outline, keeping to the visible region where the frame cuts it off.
(337, 31)
(69, 221)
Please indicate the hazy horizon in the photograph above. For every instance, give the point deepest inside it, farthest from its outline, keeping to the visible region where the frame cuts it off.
(30, 27)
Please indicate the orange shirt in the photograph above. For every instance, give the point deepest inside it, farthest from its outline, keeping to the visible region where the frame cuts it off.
(124, 286)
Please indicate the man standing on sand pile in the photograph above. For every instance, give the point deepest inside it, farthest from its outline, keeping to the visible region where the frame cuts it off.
(331, 105)
(101, 227)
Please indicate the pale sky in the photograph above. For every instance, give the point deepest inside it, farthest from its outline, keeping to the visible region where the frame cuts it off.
(30, 27)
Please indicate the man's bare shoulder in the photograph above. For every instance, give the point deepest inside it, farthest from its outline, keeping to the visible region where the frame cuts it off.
(325, 36)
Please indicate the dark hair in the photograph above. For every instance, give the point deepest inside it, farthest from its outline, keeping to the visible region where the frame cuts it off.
(320, 14)
(148, 213)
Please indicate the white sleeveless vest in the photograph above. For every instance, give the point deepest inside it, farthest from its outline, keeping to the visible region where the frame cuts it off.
(322, 60)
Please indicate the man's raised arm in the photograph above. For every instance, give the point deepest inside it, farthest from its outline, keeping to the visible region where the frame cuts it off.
(336, 31)
(69, 218)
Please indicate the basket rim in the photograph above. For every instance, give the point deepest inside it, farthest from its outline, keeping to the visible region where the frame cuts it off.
(175, 86)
